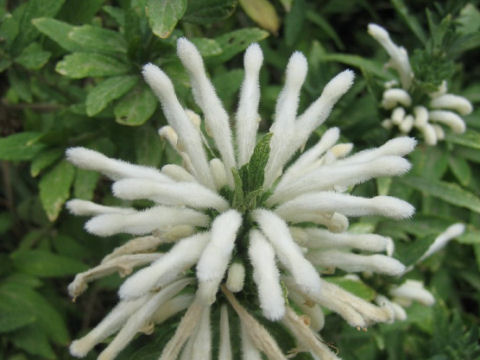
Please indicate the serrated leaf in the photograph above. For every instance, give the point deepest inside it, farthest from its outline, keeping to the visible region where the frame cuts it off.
(449, 192)
(136, 107)
(80, 65)
(85, 184)
(257, 163)
(44, 159)
(209, 11)
(96, 39)
(55, 188)
(108, 90)
(57, 31)
(470, 138)
(48, 320)
(21, 146)
(163, 15)
(236, 41)
(356, 287)
(263, 13)
(461, 169)
(33, 57)
(45, 264)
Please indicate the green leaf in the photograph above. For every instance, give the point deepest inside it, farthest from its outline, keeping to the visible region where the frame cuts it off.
(55, 188)
(80, 12)
(460, 169)
(20, 83)
(205, 12)
(6, 222)
(163, 15)
(236, 41)
(429, 162)
(410, 252)
(294, 22)
(470, 138)
(257, 163)
(148, 147)
(409, 19)
(34, 9)
(369, 66)
(467, 153)
(80, 65)
(207, 47)
(44, 159)
(108, 90)
(449, 192)
(48, 321)
(263, 13)
(328, 29)
(469, 19)
(21, 146)
(238, 195)
(13, 319)
(136, 108)
(356, 287)
(96, 39)
(45, 264)
(33, 57)
(57, 31)
(85, 184)
(33, 341)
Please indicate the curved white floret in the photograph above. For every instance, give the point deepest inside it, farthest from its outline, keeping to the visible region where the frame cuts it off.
(87, 208)
(412, 290)
(115, 169)
(178, 194)
(178, 119)
(393, 97)
(439, 243)
(452, 102)
(178, 173)
(216, 118)
(448, 118)
(266, 276)
(219, 173)
(235, 277)
(144, 222)
(182, 256)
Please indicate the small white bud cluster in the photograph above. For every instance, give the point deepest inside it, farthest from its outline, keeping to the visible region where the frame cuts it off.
(194, 220)
(443, 108)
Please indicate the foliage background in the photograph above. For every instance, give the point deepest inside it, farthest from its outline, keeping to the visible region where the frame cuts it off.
(70, 76)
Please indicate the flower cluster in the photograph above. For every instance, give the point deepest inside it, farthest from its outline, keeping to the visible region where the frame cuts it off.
(442, 107)
(248, 224)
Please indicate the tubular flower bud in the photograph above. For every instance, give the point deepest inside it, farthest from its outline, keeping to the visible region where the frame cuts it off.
(443, 108)
(235, 211)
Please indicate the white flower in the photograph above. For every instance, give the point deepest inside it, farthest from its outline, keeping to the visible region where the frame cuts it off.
(240, 217)
(442, 109)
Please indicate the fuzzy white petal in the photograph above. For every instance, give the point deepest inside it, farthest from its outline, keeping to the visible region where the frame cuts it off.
(182, 193)
(216, 118)
(412, 290)
(266, 276)
(247, 113)
(235, 277)
(452, 102)
(88, 208)
(448, 118)
(143, 222)
(442, 240)
(392, 97)
(115, 169)
(182, 256)
(178, 119)
(177, 173)
(289, 254)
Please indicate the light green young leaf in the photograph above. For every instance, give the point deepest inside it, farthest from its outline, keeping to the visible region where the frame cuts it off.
(449, 192)
(80, 65)
(257, 163)
(108, 90)
(356, 287)
(163, 15)
(21, 146)
(136, 107)
(236, 41)
(263, 13)
(207, 47)
(469, 19)
(45, 264)
(57, 31)
(43, 160)
(33, 57)
(55, 188)
(96, 39)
